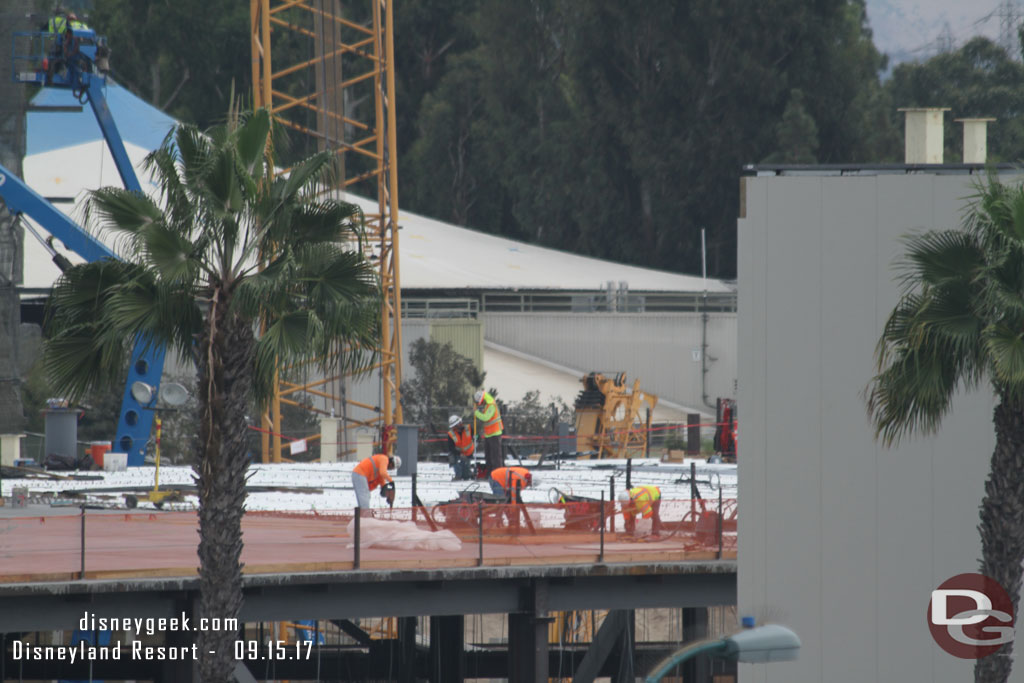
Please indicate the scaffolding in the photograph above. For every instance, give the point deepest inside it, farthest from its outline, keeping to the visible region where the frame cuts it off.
(325, 70)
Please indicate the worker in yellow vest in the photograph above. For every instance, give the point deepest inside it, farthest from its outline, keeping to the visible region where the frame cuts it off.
(641, 501)
(490, 420)
(461, 447)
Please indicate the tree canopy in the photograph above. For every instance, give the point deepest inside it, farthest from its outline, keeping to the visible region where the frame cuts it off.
(612, 128)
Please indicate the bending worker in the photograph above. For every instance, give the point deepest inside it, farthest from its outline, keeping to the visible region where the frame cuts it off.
(460, 448)
(490, 417)
(373, 472)
(505, 480)
(644, 501)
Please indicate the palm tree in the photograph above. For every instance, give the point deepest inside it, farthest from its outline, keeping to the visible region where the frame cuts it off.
(959, 323)
(227, 247)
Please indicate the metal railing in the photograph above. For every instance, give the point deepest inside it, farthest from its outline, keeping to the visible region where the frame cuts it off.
(605, 302)
(440, 308)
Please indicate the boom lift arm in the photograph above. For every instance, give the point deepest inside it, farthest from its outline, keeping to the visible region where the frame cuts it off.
(81, 77)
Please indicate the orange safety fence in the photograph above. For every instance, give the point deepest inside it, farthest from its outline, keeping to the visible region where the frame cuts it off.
(148, 544)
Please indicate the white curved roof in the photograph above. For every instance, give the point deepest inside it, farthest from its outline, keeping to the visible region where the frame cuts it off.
(66, 156)
(438, 255)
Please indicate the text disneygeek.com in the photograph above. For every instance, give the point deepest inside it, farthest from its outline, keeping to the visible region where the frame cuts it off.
(138, 650)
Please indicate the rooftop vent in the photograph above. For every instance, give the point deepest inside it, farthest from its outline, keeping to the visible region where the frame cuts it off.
(923, 135)
(975, 140)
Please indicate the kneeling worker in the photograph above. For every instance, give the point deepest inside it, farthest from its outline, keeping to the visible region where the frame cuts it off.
(373, 472)
(461, 447)
(505, 480)
(644, 501)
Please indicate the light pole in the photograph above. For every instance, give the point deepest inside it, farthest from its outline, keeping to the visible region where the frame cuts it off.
(175, 396)
(768, 643)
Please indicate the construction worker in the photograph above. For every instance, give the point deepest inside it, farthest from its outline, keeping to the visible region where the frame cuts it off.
(506, 480)
(644, 501)
(490, 419)
(373, 472)
(461, 447)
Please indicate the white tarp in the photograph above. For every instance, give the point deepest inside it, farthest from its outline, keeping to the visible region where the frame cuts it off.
(382, 533)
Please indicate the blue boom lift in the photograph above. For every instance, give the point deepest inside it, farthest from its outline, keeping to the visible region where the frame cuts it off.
(76, 60)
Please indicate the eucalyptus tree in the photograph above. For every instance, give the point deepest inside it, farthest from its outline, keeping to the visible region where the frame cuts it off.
(959, 324)
(244, 273)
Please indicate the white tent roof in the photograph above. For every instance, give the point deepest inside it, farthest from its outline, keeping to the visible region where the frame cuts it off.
(66, 156)
(437, 255)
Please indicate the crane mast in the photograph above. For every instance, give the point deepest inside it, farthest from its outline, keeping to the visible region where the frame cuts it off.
(339, 96)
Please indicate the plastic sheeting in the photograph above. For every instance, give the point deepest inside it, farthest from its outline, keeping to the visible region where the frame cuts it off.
(380, 533)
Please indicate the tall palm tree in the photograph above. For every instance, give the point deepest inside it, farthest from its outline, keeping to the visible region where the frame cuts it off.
(226, 248)
(960, 323)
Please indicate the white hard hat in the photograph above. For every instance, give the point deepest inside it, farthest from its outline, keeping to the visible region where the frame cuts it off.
(396, 462)
(454, 421)
(478, 396)
(624, 496)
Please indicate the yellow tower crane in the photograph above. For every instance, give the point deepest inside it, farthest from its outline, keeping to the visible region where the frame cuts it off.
(332, 82)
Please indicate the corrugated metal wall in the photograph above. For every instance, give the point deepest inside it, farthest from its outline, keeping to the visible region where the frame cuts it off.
(841, 539)
(662, 350)
(466, 335)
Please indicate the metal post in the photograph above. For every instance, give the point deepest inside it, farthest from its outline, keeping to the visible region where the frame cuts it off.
(629, 473)
(718, 524)
(600, 556)
(355, 557)
(611, 496)
(82, 573)
(647, 435)
(414, 496)
(693, 492)
(480, 534)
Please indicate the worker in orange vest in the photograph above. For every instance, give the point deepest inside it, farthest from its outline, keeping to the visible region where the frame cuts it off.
(490, 419)
(461, 447)
(373, 472)
(642, 501)
(506, 480)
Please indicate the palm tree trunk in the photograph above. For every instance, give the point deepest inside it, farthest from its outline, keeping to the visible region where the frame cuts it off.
(1002, 524)
(224, 390)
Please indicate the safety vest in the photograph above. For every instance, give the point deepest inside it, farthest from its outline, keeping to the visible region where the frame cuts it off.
(511, 477)
(490, 417)
(375, 469)
(643, 498)
(57, 24)
(463, 441)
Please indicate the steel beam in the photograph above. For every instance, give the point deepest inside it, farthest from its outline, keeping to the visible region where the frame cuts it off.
(340, 595)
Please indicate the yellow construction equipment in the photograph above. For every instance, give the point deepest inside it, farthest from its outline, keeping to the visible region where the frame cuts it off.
(610, 421)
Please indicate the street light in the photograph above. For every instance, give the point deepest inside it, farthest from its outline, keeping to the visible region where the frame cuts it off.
(768, 643)
(174, 395)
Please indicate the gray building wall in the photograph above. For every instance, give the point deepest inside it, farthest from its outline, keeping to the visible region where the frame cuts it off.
(841, 539)
(655, 348)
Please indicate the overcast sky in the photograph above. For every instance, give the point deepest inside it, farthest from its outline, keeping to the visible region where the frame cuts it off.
(908, 29)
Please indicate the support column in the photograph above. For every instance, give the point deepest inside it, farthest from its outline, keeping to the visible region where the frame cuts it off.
(407, 650)
(447, 649)
(625, 647)
(695, 627)
(528, 637)
(185, 671)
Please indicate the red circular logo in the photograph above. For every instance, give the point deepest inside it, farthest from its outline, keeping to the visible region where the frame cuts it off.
(970, 616)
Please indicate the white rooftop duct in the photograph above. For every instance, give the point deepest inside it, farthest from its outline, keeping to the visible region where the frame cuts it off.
(975, 140)
(923, 141)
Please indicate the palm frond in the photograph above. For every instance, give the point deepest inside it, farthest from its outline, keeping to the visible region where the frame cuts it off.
(252, 141)
(937, 257)
(1006, 350)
